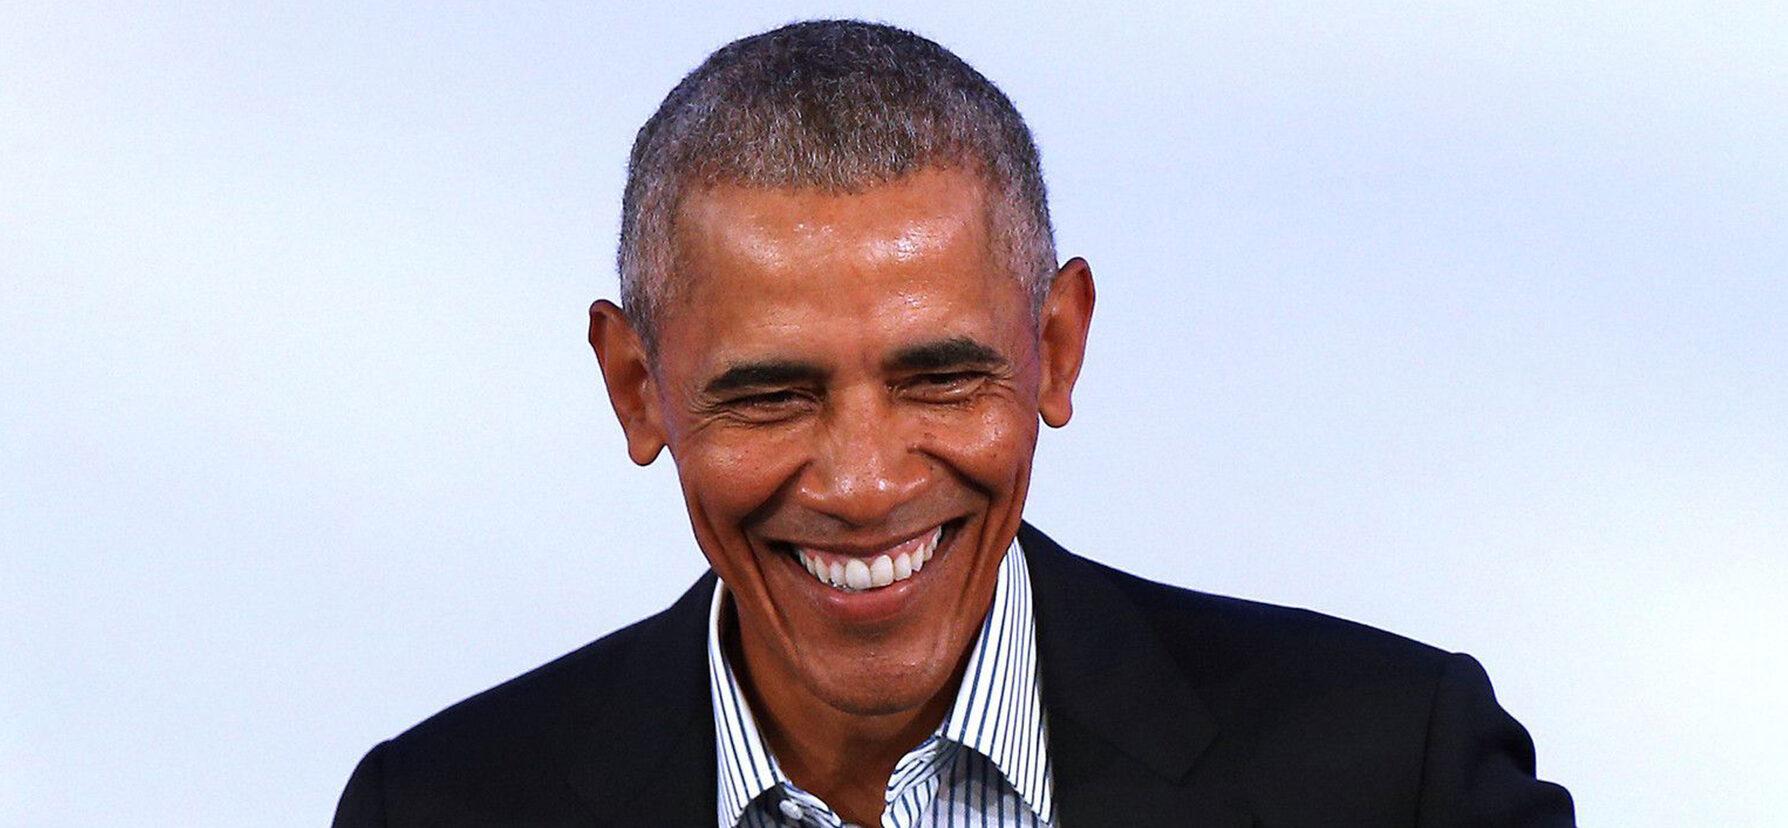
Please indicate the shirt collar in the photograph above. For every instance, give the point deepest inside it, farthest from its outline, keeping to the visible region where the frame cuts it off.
(998, 710)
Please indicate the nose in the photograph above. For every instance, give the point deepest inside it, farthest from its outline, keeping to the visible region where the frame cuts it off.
(864, 467)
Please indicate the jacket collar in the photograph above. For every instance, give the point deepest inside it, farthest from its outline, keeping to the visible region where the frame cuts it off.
(1104, 666)
(1126, 728)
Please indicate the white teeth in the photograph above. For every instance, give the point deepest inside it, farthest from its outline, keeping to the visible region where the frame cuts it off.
(881, 571)
(874, 573)
(856, 574)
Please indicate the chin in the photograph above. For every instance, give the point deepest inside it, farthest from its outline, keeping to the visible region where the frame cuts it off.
(878, 703)
(879, 692)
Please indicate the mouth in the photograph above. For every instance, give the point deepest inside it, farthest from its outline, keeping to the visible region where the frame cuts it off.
(873, 569)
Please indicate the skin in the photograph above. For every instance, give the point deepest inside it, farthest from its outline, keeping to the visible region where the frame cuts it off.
(846, 372)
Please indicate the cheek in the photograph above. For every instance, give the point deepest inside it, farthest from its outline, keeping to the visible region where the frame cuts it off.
(990, 445)
(732, 473)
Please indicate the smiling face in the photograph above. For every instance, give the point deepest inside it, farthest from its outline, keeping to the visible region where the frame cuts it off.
(850, 387)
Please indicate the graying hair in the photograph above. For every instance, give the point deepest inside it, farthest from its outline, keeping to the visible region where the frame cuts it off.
(836, 105)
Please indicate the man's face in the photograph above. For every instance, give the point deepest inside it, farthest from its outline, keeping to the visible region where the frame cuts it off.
(849, 385)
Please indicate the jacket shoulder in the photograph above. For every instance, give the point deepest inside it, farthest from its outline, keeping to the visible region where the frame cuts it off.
(605, 712)
(1318, 719)
(1218, 639)
(1219, 633)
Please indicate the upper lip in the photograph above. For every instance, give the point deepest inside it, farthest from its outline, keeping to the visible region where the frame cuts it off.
(859, 549)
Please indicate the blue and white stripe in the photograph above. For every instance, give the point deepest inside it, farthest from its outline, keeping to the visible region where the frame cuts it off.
(987, 764)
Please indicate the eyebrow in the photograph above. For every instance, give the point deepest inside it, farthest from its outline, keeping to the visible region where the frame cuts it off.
(944, 354)
(939, 355)
(764, 374)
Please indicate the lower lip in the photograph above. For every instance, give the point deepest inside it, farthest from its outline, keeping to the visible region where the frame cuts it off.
(869, 606)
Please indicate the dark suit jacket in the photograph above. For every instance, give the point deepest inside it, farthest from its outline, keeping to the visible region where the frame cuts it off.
(1166, 707)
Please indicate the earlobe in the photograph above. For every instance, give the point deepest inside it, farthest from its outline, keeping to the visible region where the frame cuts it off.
(1067, 316)
(626, 371)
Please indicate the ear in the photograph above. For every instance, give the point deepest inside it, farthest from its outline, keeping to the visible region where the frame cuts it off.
(1067, 314)
(627, 371)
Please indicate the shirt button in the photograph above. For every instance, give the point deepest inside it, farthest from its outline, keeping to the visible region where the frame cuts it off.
(789, 809)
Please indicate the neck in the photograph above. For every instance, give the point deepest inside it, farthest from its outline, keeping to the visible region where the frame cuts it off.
(843, 757)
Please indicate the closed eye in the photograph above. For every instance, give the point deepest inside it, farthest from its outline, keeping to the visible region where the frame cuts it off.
(947, 378)
(767, 407)
(944, 386)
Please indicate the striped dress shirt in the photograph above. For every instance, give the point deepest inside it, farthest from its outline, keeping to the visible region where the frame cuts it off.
(986, 765)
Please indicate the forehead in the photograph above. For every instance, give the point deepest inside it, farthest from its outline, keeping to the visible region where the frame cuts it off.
(927, 213)
(772, 269)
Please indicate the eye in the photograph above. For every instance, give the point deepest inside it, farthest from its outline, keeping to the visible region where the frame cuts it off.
(769, 406)
(944, 386)
(767, 398)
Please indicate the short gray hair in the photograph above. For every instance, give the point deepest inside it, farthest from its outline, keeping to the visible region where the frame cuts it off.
(837, 105)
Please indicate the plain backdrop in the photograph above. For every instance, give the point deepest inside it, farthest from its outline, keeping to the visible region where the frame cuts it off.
(1462, 320)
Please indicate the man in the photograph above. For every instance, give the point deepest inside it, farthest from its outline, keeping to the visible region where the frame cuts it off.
(843, 316)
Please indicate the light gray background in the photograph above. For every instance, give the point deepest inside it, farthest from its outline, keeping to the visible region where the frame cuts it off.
(1463, 320)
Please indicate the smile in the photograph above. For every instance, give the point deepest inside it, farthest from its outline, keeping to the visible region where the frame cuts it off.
(852, 573)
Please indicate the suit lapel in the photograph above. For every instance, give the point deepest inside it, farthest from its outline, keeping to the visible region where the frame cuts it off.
(646, 751)
(1125, 727)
